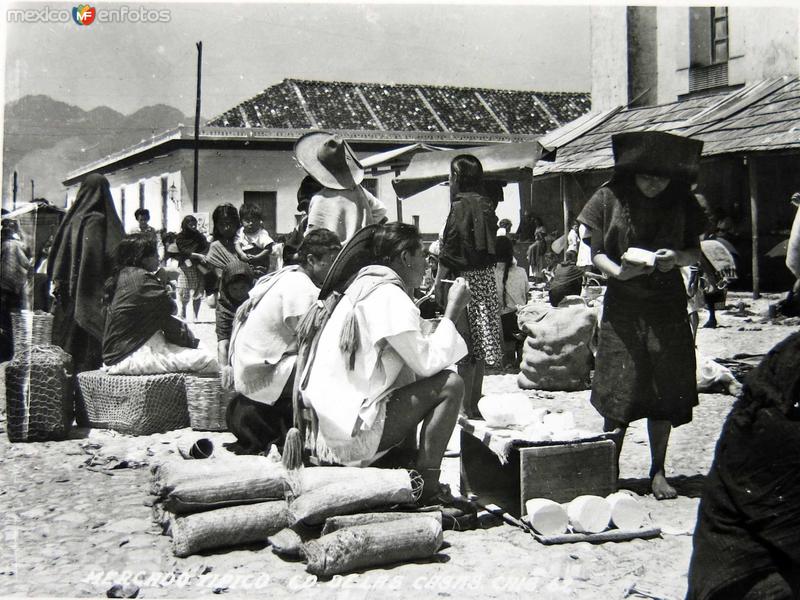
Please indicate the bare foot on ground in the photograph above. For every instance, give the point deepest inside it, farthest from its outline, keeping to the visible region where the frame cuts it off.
(661, 489)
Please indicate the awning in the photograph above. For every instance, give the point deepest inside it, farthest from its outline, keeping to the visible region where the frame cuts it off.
(391, 156)
(506, 162)
(31, 207)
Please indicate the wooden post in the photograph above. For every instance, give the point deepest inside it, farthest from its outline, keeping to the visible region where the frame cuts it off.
(195, 202)
(14, 193)
(525, 187)
(398, 202)
(33, 185)
(562, 184)
(753, 184)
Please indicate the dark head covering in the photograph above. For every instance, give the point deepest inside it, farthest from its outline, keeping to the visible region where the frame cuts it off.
(567, 281)
(657, 153)
(81, 257)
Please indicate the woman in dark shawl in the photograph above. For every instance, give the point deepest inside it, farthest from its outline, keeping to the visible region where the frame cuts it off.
(141, 334)
(81, 258)
(645, 364)
(747, 539)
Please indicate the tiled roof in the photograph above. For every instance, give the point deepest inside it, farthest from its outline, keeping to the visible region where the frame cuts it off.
(298, 103)
(761, 117)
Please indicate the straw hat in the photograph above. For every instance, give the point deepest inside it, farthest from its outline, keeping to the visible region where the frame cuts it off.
(657, 153)
(329, 159)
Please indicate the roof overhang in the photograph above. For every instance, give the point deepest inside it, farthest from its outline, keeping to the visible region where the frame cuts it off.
(283, 139)
(511, 162)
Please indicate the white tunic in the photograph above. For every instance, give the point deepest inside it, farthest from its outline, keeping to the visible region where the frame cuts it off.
(392, 353)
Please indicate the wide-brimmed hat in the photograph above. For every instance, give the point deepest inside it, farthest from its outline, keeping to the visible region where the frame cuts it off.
(329, 159)
(657, 153)
(356, 254)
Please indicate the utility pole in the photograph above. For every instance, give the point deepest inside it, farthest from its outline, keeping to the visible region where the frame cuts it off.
(14, 192)
(195, 202)
(32, 186)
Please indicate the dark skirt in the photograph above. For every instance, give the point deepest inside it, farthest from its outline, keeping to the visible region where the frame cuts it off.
(645, 363)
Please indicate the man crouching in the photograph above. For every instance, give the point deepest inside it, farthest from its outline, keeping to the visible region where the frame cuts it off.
(263, 347)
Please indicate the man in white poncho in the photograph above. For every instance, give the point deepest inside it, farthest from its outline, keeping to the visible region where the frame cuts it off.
(263, 348)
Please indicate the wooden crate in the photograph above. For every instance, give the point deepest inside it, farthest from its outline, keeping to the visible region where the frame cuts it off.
(559, 472)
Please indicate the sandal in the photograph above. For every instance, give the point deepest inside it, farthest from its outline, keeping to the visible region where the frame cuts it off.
(458, 513)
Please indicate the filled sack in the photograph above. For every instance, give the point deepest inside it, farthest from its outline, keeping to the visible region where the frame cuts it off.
(365, 546)
(229, 526)
(192, 485)
(557, 354)
(390, 487)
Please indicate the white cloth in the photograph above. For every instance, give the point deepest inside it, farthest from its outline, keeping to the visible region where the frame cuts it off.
(260, 239)
(263, 350)
(157, 355)
(584, 249)
(344, 211)
(516, 288)
(793, 248)
(392, 353)
(573, 240)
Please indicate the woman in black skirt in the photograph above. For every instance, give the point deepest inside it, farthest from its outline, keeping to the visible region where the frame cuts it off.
(645, 364)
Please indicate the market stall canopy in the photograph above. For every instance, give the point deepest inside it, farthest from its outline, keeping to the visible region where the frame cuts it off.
(506, 162)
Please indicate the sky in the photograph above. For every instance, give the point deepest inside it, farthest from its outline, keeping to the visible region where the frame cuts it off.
(248, 47)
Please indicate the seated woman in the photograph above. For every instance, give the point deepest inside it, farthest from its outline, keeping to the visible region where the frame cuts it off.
(374, 376)
(747, 539)
(141, 334)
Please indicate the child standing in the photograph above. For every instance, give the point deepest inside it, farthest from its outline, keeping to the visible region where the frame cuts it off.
(223, 247)
(192, 247)
(237, 281)
(253, 243)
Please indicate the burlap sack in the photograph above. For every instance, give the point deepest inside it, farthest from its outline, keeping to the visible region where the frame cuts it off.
(192, 485)
(371, 545)
(230, 526)
(378, 488)
(557, 353)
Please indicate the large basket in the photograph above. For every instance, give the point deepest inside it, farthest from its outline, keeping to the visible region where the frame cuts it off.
(31, 329)
(208, 403)
(39, 386)
(134, 404)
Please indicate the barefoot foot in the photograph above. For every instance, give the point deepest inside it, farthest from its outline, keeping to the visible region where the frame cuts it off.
(661, 489)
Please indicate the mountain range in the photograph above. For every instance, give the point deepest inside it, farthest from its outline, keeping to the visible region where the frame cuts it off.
(44, 139)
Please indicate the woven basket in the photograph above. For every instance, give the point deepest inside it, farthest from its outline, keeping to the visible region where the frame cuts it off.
(134, 404)
(208, 403)
(31, 329)
(39, 386)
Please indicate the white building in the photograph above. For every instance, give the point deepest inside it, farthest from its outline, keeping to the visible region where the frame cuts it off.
(246, 153)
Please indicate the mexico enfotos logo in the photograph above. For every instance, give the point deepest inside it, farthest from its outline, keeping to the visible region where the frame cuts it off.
(84, 15)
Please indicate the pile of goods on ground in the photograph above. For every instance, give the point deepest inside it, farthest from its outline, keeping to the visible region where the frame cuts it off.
(587, 515)
(338, 519)
(518, 411)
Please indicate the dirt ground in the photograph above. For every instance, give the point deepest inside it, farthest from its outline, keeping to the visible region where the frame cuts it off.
(72, 524)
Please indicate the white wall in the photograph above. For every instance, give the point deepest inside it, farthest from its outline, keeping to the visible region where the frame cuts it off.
(763, 43)
(609, 43)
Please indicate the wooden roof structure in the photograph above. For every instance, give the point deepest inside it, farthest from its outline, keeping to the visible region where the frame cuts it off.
(762, 117)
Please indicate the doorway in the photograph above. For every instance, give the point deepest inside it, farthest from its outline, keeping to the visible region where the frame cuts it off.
(267, 202)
